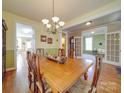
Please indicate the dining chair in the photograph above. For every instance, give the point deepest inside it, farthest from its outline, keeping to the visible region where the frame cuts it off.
(30, 73)
(39, 81)
(31, 59)
(40, 51)
(86, 86)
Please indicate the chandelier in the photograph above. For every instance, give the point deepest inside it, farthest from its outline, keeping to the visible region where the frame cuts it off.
(55, 24)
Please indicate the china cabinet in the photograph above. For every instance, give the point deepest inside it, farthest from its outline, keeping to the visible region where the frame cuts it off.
(4, 28)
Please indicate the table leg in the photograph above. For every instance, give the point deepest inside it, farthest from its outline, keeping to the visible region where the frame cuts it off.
(54, 90)
(86, 76)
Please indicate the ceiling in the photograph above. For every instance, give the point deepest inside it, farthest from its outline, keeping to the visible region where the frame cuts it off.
(96, 31)
(116, 16)
(65, 9)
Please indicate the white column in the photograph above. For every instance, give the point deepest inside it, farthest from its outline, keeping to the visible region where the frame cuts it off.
(60, 39)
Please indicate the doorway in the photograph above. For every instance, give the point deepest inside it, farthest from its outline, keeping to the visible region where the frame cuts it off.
(94, 43)
(25, 41)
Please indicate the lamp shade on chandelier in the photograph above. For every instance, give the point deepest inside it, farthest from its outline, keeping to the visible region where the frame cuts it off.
(55, 24)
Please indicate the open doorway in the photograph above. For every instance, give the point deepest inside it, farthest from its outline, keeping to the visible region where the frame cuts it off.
(94, 43)
(25, 41)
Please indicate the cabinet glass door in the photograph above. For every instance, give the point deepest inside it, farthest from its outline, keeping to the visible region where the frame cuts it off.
(77, 45)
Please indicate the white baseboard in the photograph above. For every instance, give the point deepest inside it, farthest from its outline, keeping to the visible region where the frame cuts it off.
(10, 69)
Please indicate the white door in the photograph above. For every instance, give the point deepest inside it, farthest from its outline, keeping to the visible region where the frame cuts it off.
(113, 48)
(77, 47)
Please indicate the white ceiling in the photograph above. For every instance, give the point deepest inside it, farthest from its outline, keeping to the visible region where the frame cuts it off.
(100, 30)
(65, 9)
(116, 16)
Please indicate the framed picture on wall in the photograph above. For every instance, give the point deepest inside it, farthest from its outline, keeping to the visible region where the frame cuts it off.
(43, 38)
(49, 40)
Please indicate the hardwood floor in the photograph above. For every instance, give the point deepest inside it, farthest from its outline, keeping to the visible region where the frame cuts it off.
(110, 80)
(17, 81)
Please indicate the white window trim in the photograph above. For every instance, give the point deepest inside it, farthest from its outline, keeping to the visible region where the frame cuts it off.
(92, 43)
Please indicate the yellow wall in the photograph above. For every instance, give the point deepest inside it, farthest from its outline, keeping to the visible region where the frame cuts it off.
(64, 41)
(11, 20)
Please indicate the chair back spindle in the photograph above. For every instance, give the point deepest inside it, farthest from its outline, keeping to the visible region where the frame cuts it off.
(29, 59)
(40, 76)
(37, 76)
(97, 71)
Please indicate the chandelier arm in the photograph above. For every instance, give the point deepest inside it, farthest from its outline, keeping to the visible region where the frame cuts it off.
(56, 23)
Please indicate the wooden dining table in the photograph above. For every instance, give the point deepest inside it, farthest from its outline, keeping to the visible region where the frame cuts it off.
(61, 77)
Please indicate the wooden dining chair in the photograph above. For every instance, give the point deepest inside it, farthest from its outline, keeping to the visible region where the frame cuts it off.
(85, 86)
(32, 70)
(40, 51)
(30, 73)
(39, 81)
(31, 59)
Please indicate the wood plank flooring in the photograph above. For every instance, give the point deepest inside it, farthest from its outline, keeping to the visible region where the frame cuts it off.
(17, 81)
(110, 80)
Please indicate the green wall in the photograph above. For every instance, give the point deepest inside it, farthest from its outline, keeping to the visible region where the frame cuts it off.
(99, 39)
(96, 40)
(11, 20)
(9, 58)
(51, 51)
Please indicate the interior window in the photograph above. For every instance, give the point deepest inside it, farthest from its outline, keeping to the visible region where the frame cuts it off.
(88, 43)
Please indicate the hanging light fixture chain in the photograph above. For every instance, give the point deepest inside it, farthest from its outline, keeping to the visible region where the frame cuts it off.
(56, 23)
(53, 8)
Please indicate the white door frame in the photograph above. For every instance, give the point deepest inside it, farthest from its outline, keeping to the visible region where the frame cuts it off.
(74, 47)
(15, 48)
